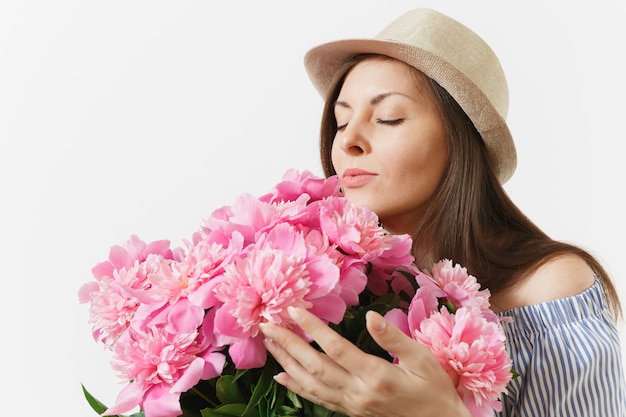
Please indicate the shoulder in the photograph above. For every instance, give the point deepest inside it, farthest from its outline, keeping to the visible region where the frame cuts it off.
(561, 277)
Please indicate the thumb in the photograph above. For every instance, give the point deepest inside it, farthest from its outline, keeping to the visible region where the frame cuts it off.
(395, 341)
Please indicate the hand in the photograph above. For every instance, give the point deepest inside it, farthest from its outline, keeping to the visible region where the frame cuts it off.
(349, 381)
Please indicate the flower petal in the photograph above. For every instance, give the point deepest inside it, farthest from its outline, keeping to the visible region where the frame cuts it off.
(248, 353)
(128, 398)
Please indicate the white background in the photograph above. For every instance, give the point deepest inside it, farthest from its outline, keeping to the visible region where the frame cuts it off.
(120, 117)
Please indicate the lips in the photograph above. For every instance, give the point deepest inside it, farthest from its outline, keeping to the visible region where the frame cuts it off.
(354, 177)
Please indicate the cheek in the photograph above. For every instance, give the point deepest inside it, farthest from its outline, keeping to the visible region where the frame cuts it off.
(422, 164)
(431, 149)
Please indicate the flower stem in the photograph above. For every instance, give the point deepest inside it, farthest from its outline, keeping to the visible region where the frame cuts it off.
(204, 397)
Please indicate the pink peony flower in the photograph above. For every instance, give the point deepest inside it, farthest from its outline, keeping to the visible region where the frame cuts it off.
(250, 217)
(203, 262)
(358, 234)
(462, 289)
(471, 350)
(468, 341)
(133, 251)
(161, 365)
(355, 230)
(113, 297)
(111, 306)
(295, 183)
(282, 270)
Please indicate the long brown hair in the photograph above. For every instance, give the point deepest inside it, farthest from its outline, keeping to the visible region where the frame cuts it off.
(471, 219)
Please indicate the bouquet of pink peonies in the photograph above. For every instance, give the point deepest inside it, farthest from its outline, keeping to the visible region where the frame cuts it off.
(182, 323)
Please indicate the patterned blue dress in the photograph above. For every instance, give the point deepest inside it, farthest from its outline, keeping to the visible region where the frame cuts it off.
(569, 357)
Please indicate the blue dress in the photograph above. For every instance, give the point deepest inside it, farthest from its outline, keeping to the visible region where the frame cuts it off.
(569, 357)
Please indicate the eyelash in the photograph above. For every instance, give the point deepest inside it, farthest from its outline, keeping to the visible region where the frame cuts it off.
(394, 122)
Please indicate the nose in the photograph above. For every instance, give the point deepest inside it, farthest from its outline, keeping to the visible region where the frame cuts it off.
(353, 139)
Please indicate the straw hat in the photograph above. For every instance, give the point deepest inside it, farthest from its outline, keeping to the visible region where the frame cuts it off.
(449, 53)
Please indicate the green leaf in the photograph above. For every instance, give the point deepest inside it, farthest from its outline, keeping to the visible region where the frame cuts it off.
(220, 412)
(207, 412)
(100, 408)
(319, 411)
(227, 390)
(228, 410)
(285, 411)
(231, 409)
(240, 373)
(295, 400)
(97, 406)
(261, 389)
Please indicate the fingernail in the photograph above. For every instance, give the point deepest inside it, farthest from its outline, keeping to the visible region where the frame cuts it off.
(280, 378)
(295, 314)
(267, 330)
(269, 345)
(379, 324)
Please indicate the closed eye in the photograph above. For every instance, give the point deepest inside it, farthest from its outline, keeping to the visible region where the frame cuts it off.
(341, 127)
(393, 122)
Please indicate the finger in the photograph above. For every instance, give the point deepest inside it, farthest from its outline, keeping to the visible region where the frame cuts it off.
(307, 371)
(289, 349)
(284, 379)
(334, 345)
(315, 390)
(288, 363)
(410, 353)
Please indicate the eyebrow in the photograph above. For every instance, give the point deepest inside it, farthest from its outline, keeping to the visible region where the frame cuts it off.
(374, 100)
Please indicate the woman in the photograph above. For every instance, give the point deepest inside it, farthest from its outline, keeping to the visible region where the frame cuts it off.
(414, 125)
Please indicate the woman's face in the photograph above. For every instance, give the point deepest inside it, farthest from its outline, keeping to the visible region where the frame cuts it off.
(390, 148)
